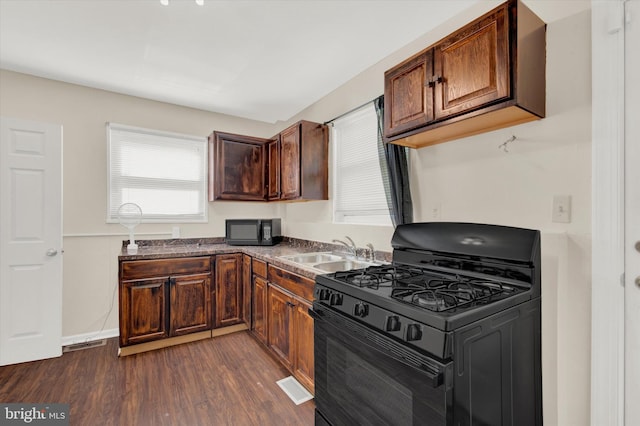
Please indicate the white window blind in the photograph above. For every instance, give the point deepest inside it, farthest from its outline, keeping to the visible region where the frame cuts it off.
(359, 195)
(164, 173)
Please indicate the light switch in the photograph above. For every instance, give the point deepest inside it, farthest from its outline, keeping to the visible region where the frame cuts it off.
(561, 209)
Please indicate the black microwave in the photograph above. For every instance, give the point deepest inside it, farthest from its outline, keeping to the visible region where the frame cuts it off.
(253, 232)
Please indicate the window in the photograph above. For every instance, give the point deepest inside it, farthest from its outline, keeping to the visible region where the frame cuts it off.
(359, 195)
(164, 173)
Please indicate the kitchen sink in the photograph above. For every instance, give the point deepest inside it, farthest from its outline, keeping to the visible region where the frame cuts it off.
(342, 265)
(312, 258)
(327, 261)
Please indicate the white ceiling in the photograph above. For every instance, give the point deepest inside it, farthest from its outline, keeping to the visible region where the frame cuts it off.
(260, 59)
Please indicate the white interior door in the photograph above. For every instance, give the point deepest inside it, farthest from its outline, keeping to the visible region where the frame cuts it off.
(30, 240)
(632, 214)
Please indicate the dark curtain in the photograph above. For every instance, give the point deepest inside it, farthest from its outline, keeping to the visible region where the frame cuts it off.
(395, 173)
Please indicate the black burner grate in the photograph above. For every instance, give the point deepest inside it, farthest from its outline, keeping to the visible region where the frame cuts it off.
(377, 276)
(441, 294)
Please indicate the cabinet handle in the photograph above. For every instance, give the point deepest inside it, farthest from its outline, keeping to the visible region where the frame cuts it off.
(291, 305)
(434, 79)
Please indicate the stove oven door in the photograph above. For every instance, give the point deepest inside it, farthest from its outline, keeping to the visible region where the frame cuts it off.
(365, 378)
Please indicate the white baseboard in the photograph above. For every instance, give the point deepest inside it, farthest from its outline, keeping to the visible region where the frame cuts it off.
(89, 337)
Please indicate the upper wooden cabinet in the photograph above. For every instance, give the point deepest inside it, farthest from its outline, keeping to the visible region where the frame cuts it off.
(298, 164)
(291, 166)
(273, 167)
(408, 100)
(237, 169)
(488, 75)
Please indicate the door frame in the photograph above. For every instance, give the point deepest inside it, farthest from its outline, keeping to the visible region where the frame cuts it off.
(608, 203)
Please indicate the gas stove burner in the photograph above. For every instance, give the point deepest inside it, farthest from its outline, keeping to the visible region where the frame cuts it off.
(431, 300)
(360, 278)
(377, 276)
(365, 280)
(439, 294)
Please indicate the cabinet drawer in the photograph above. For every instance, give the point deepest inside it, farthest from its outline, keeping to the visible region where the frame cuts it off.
(259, 268)
(136, 269)
(296, 284)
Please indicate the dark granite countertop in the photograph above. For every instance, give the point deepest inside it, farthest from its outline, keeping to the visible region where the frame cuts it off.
(186, 247)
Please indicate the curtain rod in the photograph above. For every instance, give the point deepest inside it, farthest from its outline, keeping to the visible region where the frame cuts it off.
(351, 110)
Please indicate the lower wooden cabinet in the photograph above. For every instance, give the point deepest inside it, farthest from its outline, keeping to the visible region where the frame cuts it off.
(167, 298)
(259, 318)
(228, 290)
(143, 310)
(303, 341)
(163, 298)
(190, 299)
(280, 320)
(290, 327)
(246, 290)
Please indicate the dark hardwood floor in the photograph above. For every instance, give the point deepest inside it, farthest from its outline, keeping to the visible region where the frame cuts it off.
(227, 380)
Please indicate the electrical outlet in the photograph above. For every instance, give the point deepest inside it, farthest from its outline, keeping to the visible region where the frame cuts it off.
(561, 209)
(175, 232)
(435, 211)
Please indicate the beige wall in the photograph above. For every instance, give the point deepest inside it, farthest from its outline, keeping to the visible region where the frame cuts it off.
(464, 180)
(472, 180)
(91, 245)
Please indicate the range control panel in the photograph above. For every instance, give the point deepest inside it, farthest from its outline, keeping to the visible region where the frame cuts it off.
(433, 341)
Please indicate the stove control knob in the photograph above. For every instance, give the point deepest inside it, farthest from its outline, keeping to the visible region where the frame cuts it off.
(361, 310)
(323, 294)
(335, 299)
(413, 332)
(392, 323)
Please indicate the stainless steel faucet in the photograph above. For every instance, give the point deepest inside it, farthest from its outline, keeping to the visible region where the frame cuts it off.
(372, 253)
(351, 246)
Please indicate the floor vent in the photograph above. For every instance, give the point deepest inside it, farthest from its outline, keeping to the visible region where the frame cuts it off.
(294, 390)
(84, 345)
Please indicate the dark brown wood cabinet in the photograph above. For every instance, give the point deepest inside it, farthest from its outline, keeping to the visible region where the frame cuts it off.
(163, 298)
(303, 340)
(408, 100)
(143, 310)
(487, 75)
(246, 289)
(237, 167)
(290, 327)
(291, 166)
(273, 168)
(229, 302)
(303, 160)
(190, 299)
(280, 320)
(259, 300)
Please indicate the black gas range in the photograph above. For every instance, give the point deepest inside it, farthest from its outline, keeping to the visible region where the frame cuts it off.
(458, 307)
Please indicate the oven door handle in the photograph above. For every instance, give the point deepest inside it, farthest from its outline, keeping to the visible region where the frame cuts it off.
(361, 333)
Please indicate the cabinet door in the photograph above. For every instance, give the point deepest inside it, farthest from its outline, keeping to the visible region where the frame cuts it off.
(246, 289)
(259, 318)
(280, 324)
(236, 167)
(190, 304)
(143, 310)
(228, 290)
(273, 183)
(473, 65)
(303, 343)
(290, 163)
(408, 94)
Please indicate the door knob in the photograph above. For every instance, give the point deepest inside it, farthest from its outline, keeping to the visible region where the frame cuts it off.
(638, 281)
(637, 245)
(52, 252)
